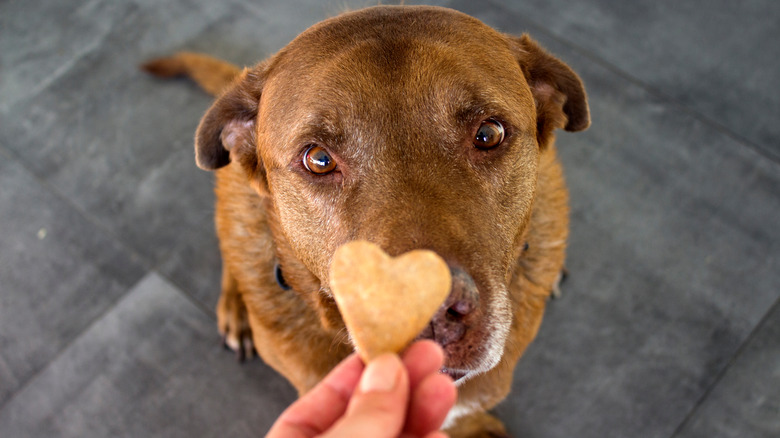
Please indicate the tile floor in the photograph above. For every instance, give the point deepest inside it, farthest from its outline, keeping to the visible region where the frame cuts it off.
(670, 321)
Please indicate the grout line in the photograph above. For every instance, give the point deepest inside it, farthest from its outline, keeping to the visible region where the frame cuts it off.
(144, 263)
(719, 377)
(33, 377)
(773, 157)
(60, 71)
(189, 297)
(135, 257)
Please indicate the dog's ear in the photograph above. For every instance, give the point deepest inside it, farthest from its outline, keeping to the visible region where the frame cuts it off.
(227, 131)
(560, 96)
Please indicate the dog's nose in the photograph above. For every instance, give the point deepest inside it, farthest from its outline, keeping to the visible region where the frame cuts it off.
(451, 321)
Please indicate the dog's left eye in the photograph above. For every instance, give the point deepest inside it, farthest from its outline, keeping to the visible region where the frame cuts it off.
(489, 135)
(318, 161)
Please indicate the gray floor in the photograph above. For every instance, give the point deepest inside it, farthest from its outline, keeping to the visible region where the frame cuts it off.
(669, 325)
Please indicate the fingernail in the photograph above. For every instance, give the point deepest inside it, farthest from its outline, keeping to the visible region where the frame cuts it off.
(381, 374)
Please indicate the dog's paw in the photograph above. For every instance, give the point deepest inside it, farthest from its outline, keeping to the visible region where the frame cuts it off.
(233, 324)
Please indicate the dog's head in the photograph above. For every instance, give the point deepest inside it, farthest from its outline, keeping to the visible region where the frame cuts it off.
(412, 127)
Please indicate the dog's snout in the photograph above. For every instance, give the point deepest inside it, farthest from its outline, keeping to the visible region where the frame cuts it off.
(453, 318)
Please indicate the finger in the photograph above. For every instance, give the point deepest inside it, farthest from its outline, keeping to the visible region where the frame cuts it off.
(379, 404)
(431, 401)
(421, 359)
(317, 410)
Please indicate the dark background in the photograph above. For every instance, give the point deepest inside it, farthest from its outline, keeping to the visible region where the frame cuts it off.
(669, 325)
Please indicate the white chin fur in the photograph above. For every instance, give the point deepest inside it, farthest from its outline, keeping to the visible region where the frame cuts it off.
(499, 320)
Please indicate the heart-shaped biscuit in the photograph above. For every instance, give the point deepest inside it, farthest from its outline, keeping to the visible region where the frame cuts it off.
(386, 301)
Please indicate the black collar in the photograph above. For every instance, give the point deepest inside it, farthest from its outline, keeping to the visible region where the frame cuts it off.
(280, 278)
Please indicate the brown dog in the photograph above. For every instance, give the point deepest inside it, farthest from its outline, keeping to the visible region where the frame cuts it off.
(412, 127)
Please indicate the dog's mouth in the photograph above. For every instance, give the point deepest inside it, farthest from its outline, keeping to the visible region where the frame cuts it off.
(456, 374)
(470, 329)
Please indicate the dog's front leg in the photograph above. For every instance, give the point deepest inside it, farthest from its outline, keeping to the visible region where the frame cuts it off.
(232, 319)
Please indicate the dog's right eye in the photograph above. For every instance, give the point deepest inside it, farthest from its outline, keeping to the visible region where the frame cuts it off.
(318, 161)
(489, 135)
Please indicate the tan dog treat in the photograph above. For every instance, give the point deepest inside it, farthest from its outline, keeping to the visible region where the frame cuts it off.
(386, 301)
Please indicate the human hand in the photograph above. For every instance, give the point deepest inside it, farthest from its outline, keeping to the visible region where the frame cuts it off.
(391, 397)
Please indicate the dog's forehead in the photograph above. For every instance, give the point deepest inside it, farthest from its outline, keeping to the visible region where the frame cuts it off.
(383, 64)
(388, 23)
(389, 38)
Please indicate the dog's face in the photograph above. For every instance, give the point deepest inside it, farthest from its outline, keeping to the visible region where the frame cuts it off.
(411, 128)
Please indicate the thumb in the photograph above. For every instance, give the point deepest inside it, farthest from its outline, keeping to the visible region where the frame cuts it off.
(378, 407)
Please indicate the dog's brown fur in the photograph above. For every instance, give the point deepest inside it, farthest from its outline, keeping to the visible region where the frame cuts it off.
(395, 94)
